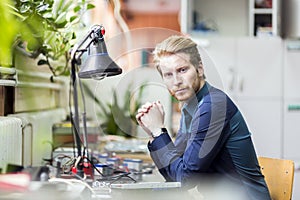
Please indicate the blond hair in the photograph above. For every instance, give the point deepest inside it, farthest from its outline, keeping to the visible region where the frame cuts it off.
(177, 44)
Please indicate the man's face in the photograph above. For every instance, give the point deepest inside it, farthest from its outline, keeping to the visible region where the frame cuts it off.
(180, 76)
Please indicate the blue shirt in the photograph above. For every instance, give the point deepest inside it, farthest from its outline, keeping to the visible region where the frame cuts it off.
(213, 144)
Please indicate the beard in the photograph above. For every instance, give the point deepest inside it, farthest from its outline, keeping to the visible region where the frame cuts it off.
(184, 93)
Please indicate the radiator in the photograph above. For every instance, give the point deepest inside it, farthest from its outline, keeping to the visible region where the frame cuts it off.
(37, 134)
(10, 141)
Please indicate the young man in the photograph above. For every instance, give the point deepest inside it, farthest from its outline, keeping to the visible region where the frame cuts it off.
(213, 144)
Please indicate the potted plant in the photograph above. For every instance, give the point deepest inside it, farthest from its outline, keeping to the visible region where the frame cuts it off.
(45, 29)
(118, 116)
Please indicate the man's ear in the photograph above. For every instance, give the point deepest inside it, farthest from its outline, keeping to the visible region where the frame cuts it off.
(200, 70)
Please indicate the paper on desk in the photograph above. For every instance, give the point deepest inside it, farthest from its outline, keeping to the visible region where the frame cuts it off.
(14, 182)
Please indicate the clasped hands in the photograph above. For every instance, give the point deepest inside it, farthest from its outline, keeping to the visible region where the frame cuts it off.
(151, 118)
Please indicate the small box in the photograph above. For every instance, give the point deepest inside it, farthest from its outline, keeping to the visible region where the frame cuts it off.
(134, 164)
(104, 169)
(102, 157)
(115, 162)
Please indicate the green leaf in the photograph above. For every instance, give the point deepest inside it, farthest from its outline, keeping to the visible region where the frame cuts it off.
(73, 35)
(61, 25)
(67, 6)
(77, 8)
(90, 6)
(61, 18)
(60, 69)
(46, 27)
(73, 18)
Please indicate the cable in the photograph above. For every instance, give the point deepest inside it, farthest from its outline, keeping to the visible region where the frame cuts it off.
(71, 181)
(115, 178)
(111, 178)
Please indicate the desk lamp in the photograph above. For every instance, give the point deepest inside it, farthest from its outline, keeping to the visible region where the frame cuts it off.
(98, 65)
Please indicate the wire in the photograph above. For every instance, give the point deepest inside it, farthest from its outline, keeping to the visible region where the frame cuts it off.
(79, 177)
(115, 178)
(71, 181)
(77, 161)
(123, 175)
(111, 178)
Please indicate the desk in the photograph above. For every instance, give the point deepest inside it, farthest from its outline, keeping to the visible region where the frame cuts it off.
(149, 193)
(66, 189)
(143, 156)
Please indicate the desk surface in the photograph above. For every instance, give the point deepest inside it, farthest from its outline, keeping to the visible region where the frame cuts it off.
(143, 156)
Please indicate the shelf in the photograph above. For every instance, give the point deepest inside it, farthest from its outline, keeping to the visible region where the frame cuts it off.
(262, 11)
(264, 20)
(250, 16)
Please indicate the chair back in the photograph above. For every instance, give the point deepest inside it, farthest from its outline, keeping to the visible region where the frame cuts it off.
(279, 176)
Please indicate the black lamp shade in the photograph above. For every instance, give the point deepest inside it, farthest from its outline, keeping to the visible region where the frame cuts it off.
(98, 63)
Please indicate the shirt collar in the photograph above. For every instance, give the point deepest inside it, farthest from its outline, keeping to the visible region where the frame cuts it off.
(191, 105)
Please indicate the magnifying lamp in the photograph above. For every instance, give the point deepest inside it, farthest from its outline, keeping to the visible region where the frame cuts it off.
(98, 65)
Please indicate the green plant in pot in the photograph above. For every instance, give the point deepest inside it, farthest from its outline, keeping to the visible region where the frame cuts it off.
(118, 116)
(46, 29)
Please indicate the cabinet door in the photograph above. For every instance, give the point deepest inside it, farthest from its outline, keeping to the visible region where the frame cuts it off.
(264, 119)
(220, 64)
(296, 192)
(259, 62)
(291, 70)
(291, 100)
(291, 131)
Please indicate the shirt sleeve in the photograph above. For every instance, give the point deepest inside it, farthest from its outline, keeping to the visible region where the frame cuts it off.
(209, 131)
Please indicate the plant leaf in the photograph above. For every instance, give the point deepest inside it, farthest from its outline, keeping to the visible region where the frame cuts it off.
(77, 8)
(90, 6)
(73, 18)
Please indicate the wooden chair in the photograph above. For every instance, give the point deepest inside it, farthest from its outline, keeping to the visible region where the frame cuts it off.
(279, 176)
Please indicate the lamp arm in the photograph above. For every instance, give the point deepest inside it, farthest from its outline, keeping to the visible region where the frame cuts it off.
(95, 34)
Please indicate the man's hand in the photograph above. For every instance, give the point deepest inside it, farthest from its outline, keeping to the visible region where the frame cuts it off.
(151, 118)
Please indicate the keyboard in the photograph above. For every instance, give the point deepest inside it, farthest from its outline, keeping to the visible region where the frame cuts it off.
(146, 185)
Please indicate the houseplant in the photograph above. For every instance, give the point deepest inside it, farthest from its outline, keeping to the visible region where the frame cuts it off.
(118, 116)
(47, 28)
(8, 30)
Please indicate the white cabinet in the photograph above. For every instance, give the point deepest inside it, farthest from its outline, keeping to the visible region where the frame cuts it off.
(259, 91)
(264, 119)
(291, 100)
(220, 63)
(291, 108)
(291, 131)
(250, 70)
(248, 67)
(259, 62)
(291, 69)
